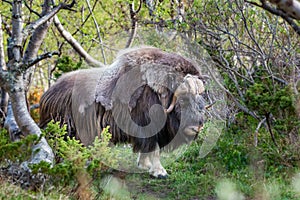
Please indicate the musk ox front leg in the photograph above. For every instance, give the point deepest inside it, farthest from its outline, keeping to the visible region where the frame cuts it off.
(143, 161)
(157, 170)
(151, 161)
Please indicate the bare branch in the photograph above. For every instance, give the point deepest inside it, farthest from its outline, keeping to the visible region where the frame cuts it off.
(256, 131)
(278, 13)
(86, 18)
(268, 116)
(7, 28)
(238, 104)
(72, 41)
(133, 14)
(31, 10)
(290, 7)
(150, 4)
(40, 28)
(39, 58)
(36, 40)
(98, 31)
(17, 36)
(6, 1)
(29, 29)
(139, 8)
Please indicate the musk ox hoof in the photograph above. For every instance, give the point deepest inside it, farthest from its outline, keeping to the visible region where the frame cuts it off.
(160, 176)
(158, 173)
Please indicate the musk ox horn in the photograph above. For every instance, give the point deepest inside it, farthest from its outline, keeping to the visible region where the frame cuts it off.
(171, 107)
(191, 84)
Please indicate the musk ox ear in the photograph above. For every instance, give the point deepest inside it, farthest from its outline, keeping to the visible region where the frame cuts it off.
(191, 85)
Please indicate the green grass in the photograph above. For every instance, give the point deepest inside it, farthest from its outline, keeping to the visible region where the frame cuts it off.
(231, 171)
(10, 191)
(235, 169)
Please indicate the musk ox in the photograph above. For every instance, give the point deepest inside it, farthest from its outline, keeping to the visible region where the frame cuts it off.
(149, 98)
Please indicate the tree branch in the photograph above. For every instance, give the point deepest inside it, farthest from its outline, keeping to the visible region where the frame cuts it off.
(133, 14)
(35, 42)
(39, 58)
(270, 128)
(256, 131)
(17, 36)
(77, 47)
(31, 10)
(238, 104)
(98, 30)
(6, 1)
(277, 12)
(33, 26)
(290, 7)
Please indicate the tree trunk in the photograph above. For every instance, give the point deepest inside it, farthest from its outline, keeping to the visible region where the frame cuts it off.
(27, 124)
(3, 103)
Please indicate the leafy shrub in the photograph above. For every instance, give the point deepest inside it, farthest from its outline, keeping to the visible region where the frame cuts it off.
(75, 164)
(66, 64)
(17, 151)
(72, 157)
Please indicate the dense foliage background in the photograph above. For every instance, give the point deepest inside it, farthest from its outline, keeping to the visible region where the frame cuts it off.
(257, 55)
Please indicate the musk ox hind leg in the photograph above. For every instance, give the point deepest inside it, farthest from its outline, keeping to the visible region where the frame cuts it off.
(151, 161)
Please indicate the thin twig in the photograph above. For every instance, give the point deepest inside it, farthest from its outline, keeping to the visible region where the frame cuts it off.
(39, 58)
(31, 10)
(256, 131)
(98, 31)
(270, 128)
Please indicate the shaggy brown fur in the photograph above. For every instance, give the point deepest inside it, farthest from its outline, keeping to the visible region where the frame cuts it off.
(89, 100)
(58, 102)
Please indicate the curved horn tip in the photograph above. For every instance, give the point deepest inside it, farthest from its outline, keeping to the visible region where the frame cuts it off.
(172, 105)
